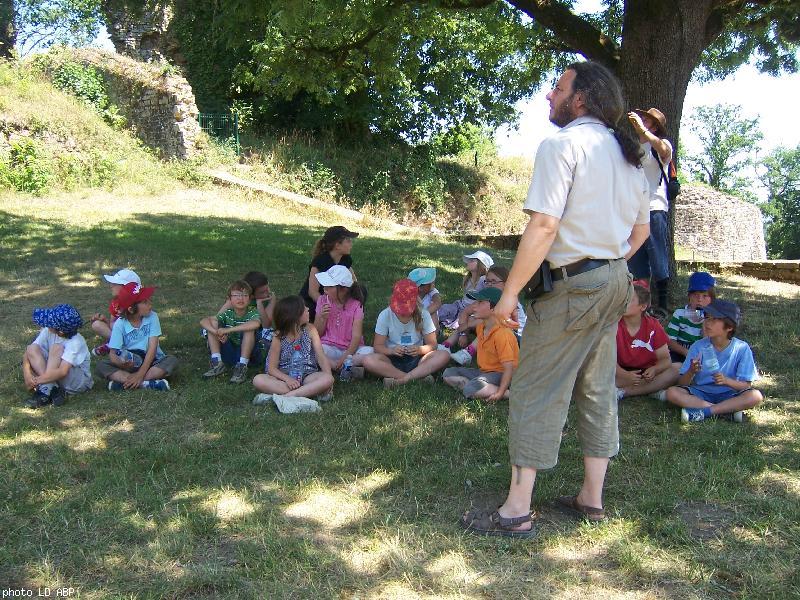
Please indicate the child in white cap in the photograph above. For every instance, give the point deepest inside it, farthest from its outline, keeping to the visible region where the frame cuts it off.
(101, 324)
(478, 263)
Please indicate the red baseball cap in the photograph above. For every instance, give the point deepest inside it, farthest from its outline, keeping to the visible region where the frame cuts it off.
(404, 298)
(131, 293)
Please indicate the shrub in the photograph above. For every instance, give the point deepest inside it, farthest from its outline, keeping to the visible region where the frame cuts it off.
(86, 83)
(24, 168)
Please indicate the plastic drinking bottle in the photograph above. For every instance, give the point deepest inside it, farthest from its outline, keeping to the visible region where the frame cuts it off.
(710, 361)
(296, 364)
(346, 374)
(128, 356)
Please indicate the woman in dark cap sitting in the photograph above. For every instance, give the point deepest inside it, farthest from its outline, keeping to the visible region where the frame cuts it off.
(333, 248)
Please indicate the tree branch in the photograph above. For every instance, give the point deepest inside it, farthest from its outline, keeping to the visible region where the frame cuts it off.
(579, 34)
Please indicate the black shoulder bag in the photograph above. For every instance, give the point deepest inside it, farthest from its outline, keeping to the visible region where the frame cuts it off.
(673, 185)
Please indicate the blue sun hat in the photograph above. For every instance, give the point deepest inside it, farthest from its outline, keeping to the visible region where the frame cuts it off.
(423, 275)
(62, 317)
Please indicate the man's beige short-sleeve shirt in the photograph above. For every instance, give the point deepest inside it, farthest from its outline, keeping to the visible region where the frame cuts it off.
(581, 177)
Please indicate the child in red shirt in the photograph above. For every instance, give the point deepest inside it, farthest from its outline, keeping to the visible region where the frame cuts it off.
(643, 361)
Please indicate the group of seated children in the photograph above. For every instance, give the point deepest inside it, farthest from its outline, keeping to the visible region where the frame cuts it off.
(302, 340)
(697, 363)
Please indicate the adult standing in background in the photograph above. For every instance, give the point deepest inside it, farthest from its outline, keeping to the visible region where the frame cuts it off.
(588, 208)
(652, 259)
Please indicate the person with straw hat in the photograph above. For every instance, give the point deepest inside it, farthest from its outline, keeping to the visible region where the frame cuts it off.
(652, 259)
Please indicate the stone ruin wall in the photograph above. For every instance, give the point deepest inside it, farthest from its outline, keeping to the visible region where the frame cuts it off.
(157, 103)
(714, 226)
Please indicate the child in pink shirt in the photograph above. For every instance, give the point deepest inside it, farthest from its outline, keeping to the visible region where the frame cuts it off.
(340, 318)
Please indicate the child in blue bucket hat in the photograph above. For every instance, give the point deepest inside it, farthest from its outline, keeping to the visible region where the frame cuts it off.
(57, 362)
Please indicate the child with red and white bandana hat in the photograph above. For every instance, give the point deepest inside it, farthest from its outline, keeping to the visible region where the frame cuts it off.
(101, 324)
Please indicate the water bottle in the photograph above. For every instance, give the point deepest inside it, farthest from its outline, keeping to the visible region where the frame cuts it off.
(297, 363)
(710, 361)
(127, 356)
(346, 374)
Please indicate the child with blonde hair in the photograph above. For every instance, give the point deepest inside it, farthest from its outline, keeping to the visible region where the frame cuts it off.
(478, 263)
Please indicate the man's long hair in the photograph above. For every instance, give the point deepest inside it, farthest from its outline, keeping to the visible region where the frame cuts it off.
(602, 95)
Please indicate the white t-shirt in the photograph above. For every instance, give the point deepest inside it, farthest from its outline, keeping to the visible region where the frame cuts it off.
(655, 177)
(76, 352)
(428, 298)
(581, 177)
(389, 325)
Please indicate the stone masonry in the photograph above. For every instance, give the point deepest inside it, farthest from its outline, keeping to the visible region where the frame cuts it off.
(156, 101)
(715, 226)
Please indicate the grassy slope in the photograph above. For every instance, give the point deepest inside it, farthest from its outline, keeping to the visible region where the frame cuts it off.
(196, 493)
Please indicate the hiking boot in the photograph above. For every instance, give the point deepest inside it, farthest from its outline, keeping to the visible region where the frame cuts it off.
(37, 399)
(157, 385)
(692, 415)
(58, 396)
(217, 368)
(462, 357)
(357, 373)
(261, 399)
(428, 379)
(239, 373)
(115, 386)
(101, 350)
(390, 382)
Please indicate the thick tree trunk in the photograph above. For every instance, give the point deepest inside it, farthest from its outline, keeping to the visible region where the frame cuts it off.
(661, 45)
(8, 31)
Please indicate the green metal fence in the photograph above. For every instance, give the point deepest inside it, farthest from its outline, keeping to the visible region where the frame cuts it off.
(221, 126)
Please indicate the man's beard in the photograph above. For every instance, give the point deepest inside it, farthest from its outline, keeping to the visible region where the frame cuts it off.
(564, 113)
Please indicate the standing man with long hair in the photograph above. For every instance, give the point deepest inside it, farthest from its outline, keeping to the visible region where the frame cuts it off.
(589, 211)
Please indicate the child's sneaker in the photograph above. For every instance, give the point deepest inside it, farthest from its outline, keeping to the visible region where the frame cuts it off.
(326, 397)
(429, 379)
(157, 385)
(261, 399)
(692, 415)
(101, 350)
(661, 395)
(217, 368)
(58, 396)
(738, 417)
(115, 386)
(37, 399)
(620, 393)
(239, 373)
(462, 357)
(390, 382)
(357, 373)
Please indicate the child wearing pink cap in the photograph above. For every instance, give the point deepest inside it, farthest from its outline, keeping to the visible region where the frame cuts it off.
(405, 345)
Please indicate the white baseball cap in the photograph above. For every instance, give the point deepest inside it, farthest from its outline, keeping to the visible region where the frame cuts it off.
(122, 277)
(336, 275)
(481, 256)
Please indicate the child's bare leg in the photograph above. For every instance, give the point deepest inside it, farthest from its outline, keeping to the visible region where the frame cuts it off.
(214, 344)
(269, 385)
(248, 343)
(154, 373)
(54, 356)
(380, 365)
(119, 376)
(457, 382)
(102, 329)
(486, 390)
(745, 400)
(313, 385)
(34, 358)
(684, 399)
(430, 363)
(660, 382)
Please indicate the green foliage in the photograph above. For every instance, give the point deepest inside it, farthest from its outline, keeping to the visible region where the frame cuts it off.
(782, 180)
(464, 138)
(42, 23)
(24, 168)
(86, 82)
(729, 143)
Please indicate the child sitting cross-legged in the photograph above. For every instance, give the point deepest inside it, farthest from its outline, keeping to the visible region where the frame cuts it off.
(405, 340)
(296, 364)
(686, 325)
(717, 376)
(497, 350)
(643, 362)
(101, 324)
(232, 333)
(57, 361)
(135, 359)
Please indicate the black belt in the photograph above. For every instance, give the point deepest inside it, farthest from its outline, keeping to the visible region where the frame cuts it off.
(576, 268)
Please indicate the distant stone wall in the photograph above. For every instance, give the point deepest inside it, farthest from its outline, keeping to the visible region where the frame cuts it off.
(715, 226)
(142, 31)
(157, 103)
(787, 271)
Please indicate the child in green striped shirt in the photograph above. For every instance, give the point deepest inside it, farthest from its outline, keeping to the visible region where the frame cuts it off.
(686, 325)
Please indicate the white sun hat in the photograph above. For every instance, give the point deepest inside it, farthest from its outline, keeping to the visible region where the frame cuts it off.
(336, 275)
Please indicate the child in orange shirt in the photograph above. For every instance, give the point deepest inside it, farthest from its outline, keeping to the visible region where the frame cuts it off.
(498, 353)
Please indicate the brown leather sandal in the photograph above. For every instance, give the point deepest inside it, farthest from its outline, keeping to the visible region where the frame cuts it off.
(490, 522)
(590, 513)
